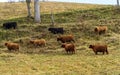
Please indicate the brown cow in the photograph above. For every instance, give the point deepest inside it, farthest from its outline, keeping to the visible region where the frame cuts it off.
(100, 29)
(65, 38)
(69, 47)
(12, 46)
(99, 48)
(38, 42)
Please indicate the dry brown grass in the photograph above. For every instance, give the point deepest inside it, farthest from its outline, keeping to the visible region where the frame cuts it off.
(15, 10)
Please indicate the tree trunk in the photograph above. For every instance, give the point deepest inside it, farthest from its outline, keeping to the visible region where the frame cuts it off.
(37, 11)
(117, 2)
(29, 8)
(52, 18)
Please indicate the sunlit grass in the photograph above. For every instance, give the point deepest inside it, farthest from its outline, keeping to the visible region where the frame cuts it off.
(13, 10)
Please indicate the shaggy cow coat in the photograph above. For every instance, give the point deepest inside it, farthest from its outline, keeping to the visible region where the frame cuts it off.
(99, 48)
(12, 46)
(56, 30)
(38, 42)
(9, 25)
(69, 47)
(100, 29)
(65, 38)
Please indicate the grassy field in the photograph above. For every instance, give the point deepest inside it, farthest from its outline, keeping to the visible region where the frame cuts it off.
(76, 19)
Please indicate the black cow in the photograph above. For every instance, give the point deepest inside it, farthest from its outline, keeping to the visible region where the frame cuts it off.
(56, 30)
(9, 25)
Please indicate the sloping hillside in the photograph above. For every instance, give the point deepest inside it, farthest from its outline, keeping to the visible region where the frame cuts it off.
(15, 10)
(76, 19)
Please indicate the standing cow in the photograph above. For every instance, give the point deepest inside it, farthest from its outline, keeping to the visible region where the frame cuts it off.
(12, 46)
(69, 48)
(10, 25)
(99, 48)
(66, 38)
(100, 29)
(56, 30)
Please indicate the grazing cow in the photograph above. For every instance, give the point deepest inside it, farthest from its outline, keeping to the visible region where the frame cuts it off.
(12, 46)
(9, 25)
(99, 48)
(38, 42)
(69, 47)
(65, 38)
(56, 30)
(100, 29)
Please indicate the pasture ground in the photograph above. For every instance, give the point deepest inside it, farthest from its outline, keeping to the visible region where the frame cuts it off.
(77, 19)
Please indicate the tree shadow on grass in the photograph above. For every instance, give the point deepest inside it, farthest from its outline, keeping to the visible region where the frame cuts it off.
(19, 20)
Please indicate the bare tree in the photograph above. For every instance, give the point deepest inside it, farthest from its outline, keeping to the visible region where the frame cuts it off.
(29, 8)
(117, 2)
(52, 18)
(37, 11)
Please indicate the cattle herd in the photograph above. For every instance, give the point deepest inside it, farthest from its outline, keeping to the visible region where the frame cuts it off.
(67, 40)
